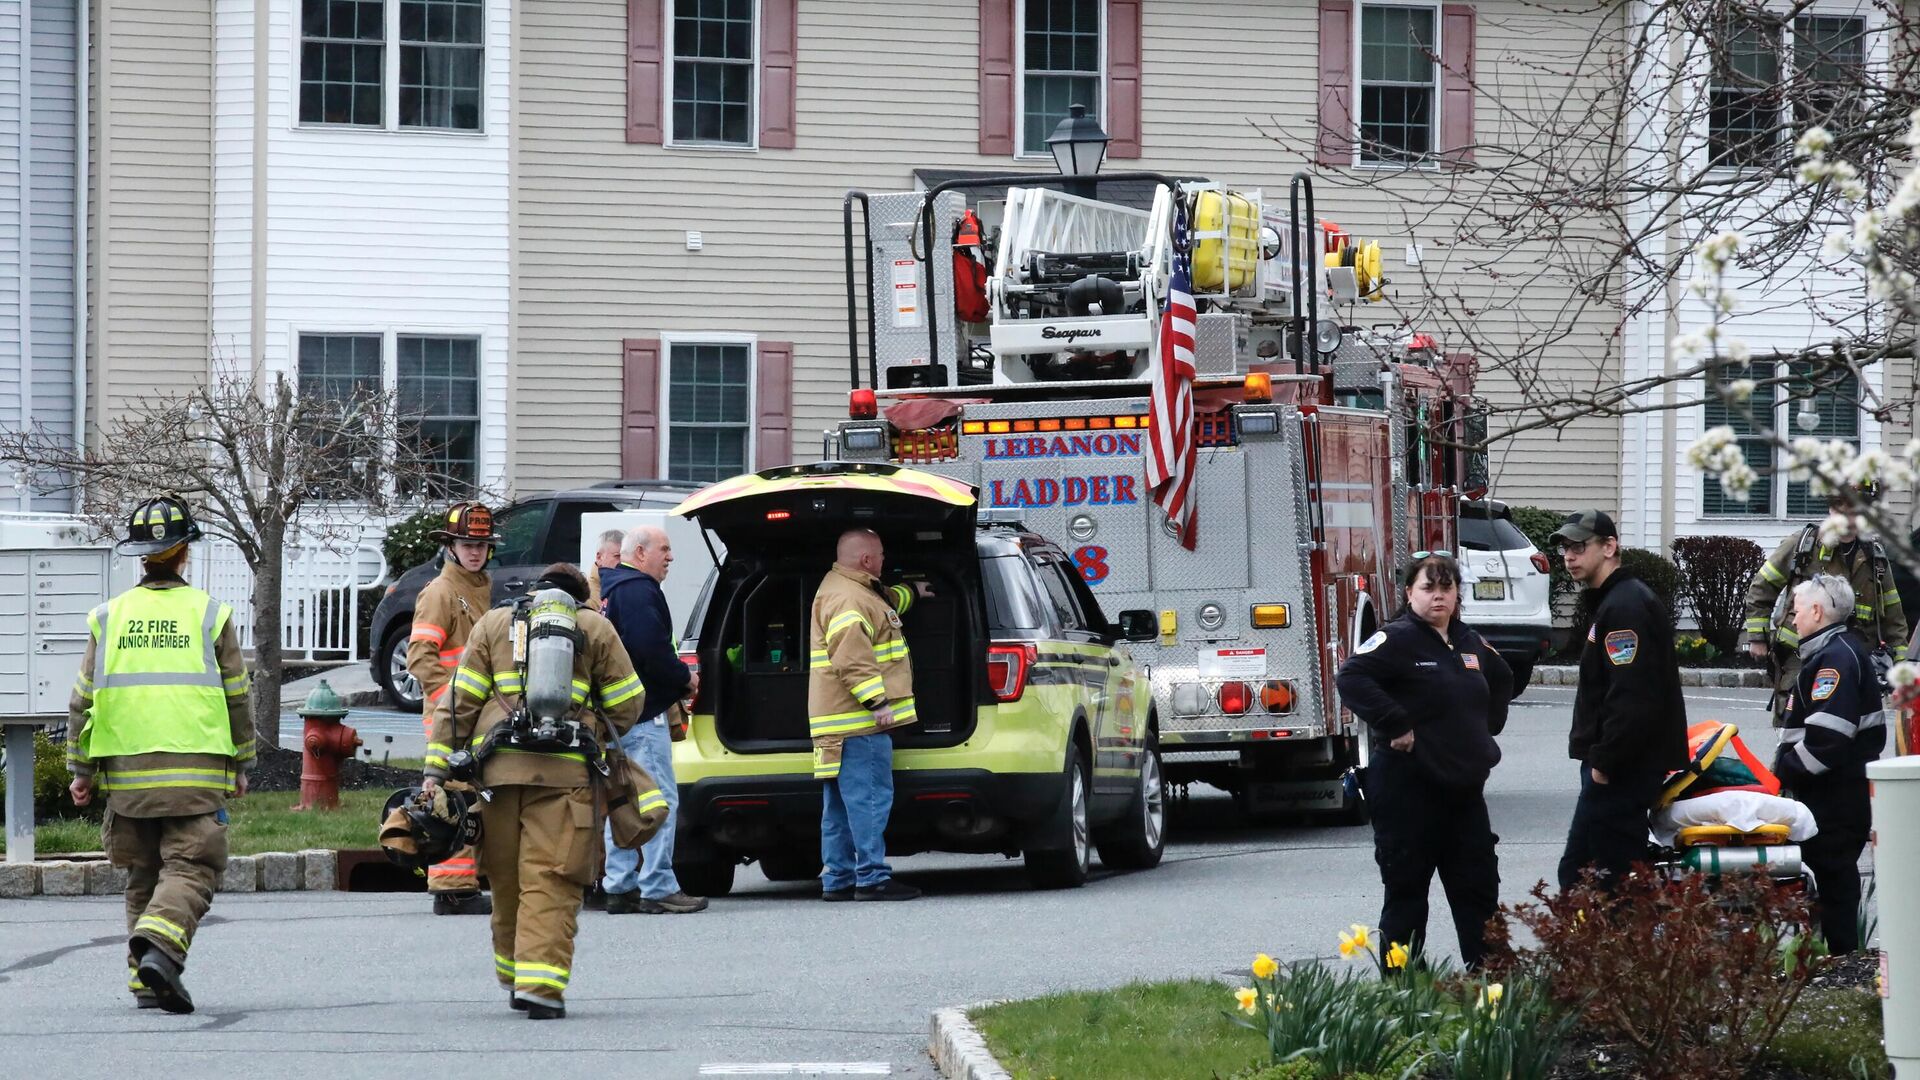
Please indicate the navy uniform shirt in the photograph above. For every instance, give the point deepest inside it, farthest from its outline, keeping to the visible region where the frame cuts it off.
(1453, 697)
(1835, 720)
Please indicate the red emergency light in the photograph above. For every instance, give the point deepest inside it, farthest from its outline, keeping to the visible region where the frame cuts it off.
(862, 405)
(1235, 698)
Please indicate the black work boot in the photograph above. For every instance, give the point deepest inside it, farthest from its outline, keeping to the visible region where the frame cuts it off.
(676, 904)
(623, 903)
(161, 975)
(887, 890)
(514, 1002)
(462, 903)
(537, 1011)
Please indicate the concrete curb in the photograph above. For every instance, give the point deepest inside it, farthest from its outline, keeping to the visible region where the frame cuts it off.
(959, 1050)
(1733, 678)
(316, 870)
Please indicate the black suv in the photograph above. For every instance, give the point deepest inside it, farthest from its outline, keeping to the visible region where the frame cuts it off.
(534, 533)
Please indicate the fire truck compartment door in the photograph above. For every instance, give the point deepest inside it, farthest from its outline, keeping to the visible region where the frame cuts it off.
(792, 501)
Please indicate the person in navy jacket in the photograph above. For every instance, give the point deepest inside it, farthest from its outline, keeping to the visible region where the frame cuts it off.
(1433, 695)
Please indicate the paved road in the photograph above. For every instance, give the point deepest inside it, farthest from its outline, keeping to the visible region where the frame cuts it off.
(348, 986)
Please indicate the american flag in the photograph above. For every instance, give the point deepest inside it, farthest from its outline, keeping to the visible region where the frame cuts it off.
(1170, 466)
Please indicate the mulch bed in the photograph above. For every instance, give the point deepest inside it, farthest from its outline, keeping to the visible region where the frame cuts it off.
(279, 770)
(1854, 971)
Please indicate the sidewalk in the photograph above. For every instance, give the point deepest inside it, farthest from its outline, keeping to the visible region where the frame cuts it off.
(353, 682)
(1750, 678)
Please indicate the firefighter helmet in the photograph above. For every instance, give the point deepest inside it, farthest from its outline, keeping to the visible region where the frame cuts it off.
(419, 828)
(466, 521)
(158, 525)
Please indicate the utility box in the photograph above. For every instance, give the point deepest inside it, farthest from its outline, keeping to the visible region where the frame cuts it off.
(52, 573)
(1896, 869)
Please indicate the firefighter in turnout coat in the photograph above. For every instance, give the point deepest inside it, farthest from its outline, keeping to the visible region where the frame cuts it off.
(159, 722)
(443, 619)
(1835, 725)
(859, 688)
(540, 837)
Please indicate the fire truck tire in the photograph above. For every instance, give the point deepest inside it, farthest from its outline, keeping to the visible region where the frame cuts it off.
(705, 877)
(1139, 838)
(1068, 855)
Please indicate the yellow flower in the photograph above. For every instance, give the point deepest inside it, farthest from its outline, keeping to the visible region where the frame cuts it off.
(1490, 996)
(1358, 940)
(1264, 966)
(1247, 998)
(1397, 956)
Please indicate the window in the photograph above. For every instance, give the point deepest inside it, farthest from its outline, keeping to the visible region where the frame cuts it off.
(1743, 119)
(1066, 606)
(563, 536)
(1745, 422)
(709, 391)
(1836, 400)
(342, 370)
(437, 384)
(1060, 62)
(713, 72)
(518, 529)
(438, 64)
(1399, 83)
(1829, 62)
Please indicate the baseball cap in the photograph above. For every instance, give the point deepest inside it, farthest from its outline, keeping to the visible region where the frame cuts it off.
(1587, 525)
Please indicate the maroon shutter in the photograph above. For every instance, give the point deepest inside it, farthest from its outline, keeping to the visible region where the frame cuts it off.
(645, 72)
(996, 77)
(773, 422)
(640, 407)
(1456, 83)
(1335, 143)
(1123, 78)
(778, 47)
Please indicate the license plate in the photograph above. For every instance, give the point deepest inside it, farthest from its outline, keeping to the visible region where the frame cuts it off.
(1489, 590)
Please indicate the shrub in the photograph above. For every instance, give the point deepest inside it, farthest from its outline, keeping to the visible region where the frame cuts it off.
(1694, 649)
(50, 779)
(407, 544)
(1714, 574)
(1698, 978)
(1539, 525)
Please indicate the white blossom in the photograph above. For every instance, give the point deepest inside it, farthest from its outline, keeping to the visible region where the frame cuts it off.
(1689, 346)
(1853, 191)
(1904, 674)
(1738, 351)
(1706, 449)
(1814, 140)
(1838, 244)
(1835, 529)
(1739, 390)
(1737, 480)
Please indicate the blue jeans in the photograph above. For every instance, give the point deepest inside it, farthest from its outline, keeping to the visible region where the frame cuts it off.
(853, 823)
(650, 869)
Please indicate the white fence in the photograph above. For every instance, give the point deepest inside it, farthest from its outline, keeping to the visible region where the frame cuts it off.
(320, 601)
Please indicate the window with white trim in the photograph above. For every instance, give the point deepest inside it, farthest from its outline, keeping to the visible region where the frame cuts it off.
(431, 53)
(1749, 117)
(435, 392)
(1399, 83)
(1061, 57)
(708, 421)
(1833, 397)
(714, 56)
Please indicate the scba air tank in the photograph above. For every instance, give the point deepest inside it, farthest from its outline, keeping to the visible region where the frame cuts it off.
(552, 633)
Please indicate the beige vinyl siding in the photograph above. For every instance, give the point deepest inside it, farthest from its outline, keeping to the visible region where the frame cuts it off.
(883, 89)
(151, 212)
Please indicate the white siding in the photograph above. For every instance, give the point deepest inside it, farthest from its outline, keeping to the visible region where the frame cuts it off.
(12, 262)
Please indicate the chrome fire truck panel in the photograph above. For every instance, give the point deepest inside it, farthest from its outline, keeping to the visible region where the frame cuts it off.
(898, 289)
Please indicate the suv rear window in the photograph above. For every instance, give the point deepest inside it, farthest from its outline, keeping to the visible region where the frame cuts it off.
(1479, 532)
(1013, 606)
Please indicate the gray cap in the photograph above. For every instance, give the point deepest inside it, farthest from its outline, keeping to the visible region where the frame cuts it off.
(1587, 525)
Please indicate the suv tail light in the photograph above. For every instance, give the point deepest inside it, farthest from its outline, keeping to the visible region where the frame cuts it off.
(1007, 667)
(1540, 563)
(1235, 697)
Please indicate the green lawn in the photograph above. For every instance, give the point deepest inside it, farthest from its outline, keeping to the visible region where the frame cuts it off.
(1828, 1029)
(263, 821)
(1143, 1031)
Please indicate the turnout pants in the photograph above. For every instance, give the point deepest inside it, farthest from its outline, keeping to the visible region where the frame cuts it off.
(649, 870)
(538, 847)
(460, 873)
(1421, 827)
(1843, 809)
(172, 865)
(853, 819)
(1609, 829)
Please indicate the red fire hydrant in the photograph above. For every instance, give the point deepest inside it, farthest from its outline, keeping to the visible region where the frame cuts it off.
(327, 743)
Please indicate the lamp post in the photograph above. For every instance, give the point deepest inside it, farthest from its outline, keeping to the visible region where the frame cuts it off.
(1078, 146)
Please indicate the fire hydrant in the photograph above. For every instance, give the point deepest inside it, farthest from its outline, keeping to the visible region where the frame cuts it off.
(327, 743)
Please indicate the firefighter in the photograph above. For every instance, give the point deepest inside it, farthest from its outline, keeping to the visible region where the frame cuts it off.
(536, 726)
(1834, 726)
(859, 688)
(443, 619)
(158, 721)
(1877, 612)
(1629, 720)
(1433, 694)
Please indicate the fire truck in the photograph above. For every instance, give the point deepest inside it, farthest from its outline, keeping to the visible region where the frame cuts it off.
(1010, 340)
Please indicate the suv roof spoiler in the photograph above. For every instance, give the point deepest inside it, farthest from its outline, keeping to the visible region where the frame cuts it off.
(654, 484)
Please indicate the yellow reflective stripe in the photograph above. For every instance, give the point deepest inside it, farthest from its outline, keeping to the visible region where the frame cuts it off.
(650, 800)
(541, 975)
(1756, 626)
(893, 650)
(819, 659)
(838, 722)
(172, 931)
(557, 754)
(1788, 637)
(503, 965)
(865, 690)
(902, 598)
(243, 753)
(904, 710)
(1889, 599)
(1863, 611)
(621, 691)
(1773, 573)
(473, 683)
(508, 682)
(826, 772)
(844, 620)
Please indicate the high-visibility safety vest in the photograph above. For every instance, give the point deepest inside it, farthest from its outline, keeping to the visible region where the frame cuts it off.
(157, 687)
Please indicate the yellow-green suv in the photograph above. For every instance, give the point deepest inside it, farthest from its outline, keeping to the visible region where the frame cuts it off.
(1036, 735)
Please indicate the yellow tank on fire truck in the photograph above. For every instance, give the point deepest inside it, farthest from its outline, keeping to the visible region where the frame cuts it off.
(1325, 453)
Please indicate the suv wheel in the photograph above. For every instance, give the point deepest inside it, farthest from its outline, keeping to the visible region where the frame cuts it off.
(1140, 837)
(705, 877)
(789, 865)
(1069, 855)
(403, 690)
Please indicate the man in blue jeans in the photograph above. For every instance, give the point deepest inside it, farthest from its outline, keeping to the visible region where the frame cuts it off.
(643, 882)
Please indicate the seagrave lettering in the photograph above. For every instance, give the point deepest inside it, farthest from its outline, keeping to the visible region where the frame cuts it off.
(1055, 333)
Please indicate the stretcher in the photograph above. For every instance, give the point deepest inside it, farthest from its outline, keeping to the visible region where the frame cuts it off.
(1723, 813)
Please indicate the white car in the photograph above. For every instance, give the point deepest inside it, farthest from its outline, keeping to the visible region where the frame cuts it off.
(1506, 587)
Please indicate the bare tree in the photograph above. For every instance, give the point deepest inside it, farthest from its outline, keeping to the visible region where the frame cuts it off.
(261, 464)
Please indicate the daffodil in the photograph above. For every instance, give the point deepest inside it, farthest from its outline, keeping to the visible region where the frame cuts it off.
(1397, 956)
(1264, 966)
(1247, 998)
(1490, 996)
(1359, 939)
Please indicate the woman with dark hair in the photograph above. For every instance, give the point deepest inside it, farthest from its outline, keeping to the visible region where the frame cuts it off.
(1433, 694)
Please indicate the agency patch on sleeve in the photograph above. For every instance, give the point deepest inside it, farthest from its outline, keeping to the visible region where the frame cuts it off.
(1471, 660)
(1622, 647)
(1591, 630)
(1825, 682)
(1378, 639)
